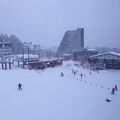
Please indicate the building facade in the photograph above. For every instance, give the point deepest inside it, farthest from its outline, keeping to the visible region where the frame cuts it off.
(10, 45)
(82, 54)
(72, 40)
(108, 60)
(5, 45)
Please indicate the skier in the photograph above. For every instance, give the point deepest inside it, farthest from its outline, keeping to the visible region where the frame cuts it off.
(43, 67)
(113, 91)
(116, 88)
(62, 74)
(81, 75)
(19, 86)
(74, 72)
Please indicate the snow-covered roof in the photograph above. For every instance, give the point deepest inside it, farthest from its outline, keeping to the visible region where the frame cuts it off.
(112, 53)
(85, 49)
(26, 56)
(50, 59)
(91, 49)
(5, 42)
(67, 54)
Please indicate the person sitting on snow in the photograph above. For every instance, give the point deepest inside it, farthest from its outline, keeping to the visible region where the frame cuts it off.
(108, 100)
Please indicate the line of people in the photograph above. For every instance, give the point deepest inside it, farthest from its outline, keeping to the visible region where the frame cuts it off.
(114, 89)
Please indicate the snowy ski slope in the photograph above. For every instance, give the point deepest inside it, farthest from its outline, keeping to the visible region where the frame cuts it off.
(48, 96)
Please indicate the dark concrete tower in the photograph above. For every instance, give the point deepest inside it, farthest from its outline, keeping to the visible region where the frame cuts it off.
(72, 40)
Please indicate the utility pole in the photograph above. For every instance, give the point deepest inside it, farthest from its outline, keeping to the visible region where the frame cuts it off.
(23, 56)
(28, 53)
(28, 48)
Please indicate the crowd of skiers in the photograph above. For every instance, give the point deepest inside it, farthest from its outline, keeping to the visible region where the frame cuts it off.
(74, 72)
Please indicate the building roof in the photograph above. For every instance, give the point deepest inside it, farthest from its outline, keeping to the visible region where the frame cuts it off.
(5, 42)
(85, 49)
(26, 56)
(66, 55)
(112, 53)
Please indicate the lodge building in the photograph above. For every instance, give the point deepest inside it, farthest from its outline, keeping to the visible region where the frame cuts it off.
(108, 60)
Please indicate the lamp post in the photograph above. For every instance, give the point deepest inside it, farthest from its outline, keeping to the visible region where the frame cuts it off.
(23, 55)
(28, 48)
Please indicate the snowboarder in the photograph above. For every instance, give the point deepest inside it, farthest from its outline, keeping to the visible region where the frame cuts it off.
(116, 88)
(19, 86)
(113, 91)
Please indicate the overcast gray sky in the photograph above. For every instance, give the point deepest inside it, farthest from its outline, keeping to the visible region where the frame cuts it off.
(45, 21)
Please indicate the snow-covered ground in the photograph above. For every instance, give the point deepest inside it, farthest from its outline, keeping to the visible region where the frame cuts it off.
(48, 96)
